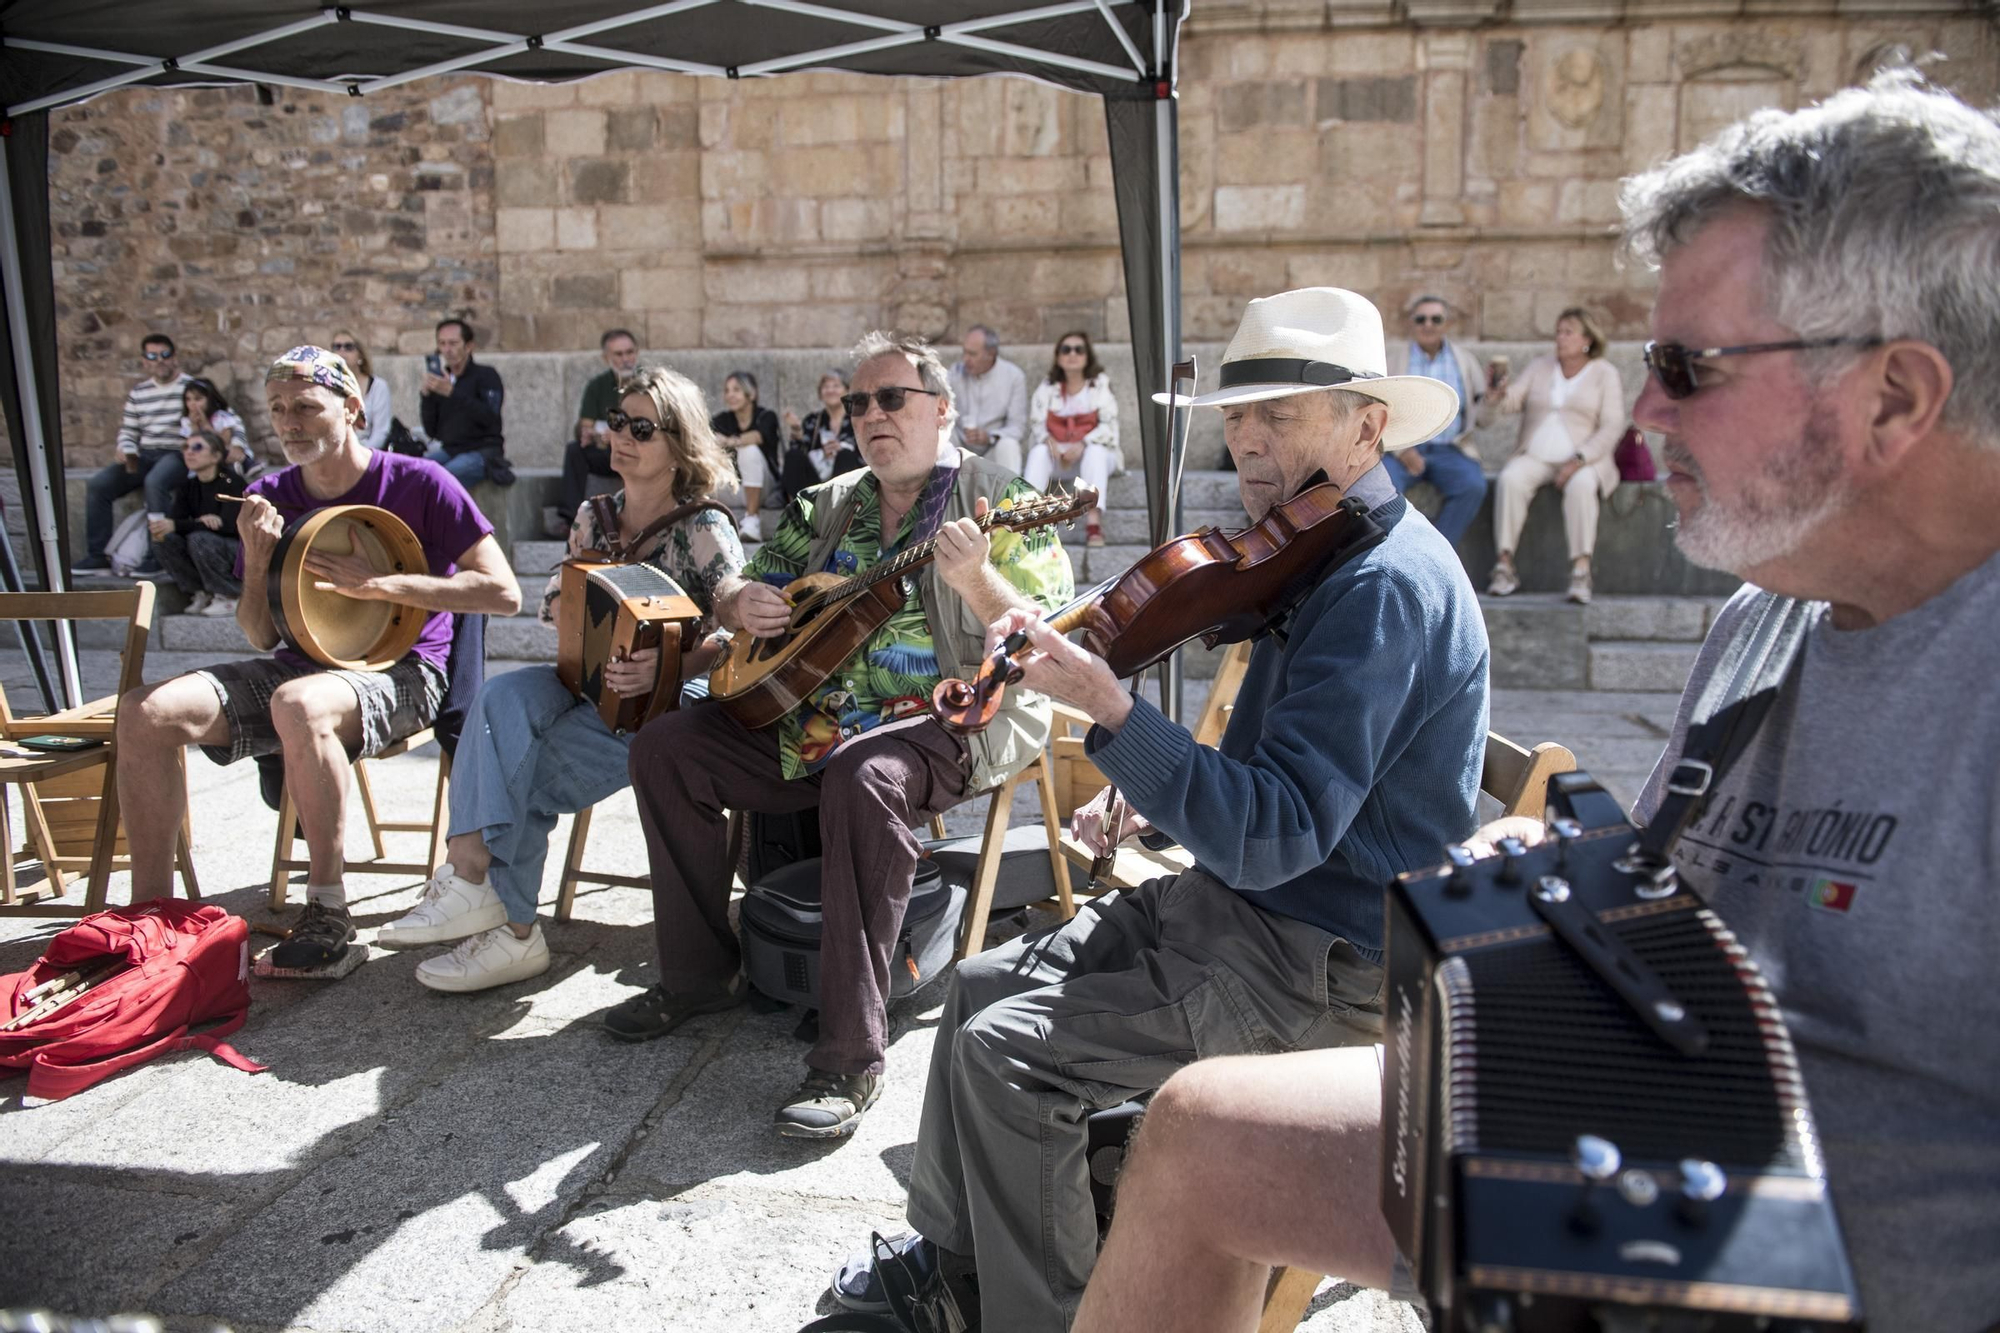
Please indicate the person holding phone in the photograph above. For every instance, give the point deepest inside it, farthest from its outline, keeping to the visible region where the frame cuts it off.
(461, 406)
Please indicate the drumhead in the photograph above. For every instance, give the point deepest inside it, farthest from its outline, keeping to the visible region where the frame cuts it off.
(331, 628)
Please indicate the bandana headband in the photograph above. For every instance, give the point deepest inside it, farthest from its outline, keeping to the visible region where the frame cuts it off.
(326, 369)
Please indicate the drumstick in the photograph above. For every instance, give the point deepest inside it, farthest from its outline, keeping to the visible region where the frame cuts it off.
(230, 499)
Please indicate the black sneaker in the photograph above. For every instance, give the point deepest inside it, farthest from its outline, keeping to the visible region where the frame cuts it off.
(319, 938)
(92, 564)
(857, 1286)
(828, 1106)
(909, 1283)
(654, 1013)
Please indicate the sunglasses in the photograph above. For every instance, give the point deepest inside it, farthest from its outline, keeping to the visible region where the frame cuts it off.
(890, 399)
(639, 428)
(1673, 364)
(1072, 349)
(158, 356)
(345, 347)
(1426, 319)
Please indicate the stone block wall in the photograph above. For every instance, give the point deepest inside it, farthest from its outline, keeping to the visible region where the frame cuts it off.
(1467, 147)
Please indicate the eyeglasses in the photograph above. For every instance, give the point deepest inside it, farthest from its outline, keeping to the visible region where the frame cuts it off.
(639, 428)
(158, 356)
(345, 347)
(890, 399)
(1072, 349)
(1673, 364)
(1426, 319)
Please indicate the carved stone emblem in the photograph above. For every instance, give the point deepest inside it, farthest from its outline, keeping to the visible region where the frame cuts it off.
(1574, 87)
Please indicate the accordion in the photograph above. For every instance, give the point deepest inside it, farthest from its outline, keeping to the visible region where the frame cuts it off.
(608, 611)
(1593, 1116)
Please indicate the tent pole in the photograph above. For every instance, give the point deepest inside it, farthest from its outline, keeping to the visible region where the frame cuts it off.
(1167, 181)
(42, 504)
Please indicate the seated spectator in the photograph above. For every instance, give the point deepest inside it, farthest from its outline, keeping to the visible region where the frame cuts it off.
(376, 412)
(1073, 421)
(822, 445)
(461, 407)
(1353, 754)
(1448, 460)
(992, 400)
(1573, 411)
(206, 409)
(196, 542)
(531, 750)
(148, 453)
(588, 454)
(320, 719)
(1827, 274)
(751, 431)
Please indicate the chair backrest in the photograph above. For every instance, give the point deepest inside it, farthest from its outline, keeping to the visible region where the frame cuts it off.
(1519, 778)
(465, 673)
(132, 605)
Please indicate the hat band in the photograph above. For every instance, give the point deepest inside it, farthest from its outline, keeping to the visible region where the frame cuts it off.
(1289, 370)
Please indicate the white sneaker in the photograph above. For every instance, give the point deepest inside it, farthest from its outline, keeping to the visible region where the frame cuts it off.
(219, 607)
(490, 958)
(751, 528)
(197, 604)
(452, 908)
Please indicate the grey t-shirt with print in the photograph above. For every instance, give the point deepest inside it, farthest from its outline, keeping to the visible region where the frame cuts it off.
(1855, 850)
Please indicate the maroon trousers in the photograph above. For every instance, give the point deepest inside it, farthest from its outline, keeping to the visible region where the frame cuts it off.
(691, 767)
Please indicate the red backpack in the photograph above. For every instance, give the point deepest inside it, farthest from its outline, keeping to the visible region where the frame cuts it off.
(178, 964)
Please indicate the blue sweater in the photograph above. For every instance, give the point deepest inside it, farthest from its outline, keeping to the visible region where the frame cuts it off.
(1355, 748)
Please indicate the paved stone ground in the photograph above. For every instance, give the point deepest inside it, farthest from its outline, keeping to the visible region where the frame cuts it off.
(415, 1161)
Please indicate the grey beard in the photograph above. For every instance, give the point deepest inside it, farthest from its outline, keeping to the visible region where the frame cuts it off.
(1798, 491)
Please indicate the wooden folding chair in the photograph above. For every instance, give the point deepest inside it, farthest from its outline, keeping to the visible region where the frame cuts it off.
(71, 810)
(284, 862)
(993, 845)
(1518, 778)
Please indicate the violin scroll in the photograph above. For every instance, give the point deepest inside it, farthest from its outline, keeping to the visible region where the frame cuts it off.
(966, 707)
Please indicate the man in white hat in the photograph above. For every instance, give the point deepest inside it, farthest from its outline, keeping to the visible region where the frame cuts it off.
(1353, 753)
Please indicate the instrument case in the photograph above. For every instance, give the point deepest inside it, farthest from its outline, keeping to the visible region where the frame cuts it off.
(780, 919)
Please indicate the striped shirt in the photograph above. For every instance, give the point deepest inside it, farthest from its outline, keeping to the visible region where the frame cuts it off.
(153, 414)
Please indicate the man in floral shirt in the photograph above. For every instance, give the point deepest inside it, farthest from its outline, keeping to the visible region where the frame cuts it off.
(863, 749)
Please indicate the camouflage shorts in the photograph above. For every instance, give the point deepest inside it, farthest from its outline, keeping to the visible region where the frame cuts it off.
(394, 703)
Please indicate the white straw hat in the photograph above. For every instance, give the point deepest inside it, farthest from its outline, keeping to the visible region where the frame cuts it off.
(1320, 338)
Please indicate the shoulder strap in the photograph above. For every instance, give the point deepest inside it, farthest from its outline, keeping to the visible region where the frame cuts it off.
(1725, 721)
(628, 553)
(606, 514)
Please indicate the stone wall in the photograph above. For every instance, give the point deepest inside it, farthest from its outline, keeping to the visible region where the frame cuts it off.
(1468, 147)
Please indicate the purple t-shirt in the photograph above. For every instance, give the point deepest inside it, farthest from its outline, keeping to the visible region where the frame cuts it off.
(416, 490)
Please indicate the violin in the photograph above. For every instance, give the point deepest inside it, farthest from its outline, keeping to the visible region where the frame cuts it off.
(1216, 586)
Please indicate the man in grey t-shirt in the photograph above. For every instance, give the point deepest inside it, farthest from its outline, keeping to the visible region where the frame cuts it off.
(1826, 378)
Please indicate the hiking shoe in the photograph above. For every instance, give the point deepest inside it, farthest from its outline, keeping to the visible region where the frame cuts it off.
(654, 1013)
(452, 908)
(828, 1106)
(490, 958)
(197, 604)
(318, 938)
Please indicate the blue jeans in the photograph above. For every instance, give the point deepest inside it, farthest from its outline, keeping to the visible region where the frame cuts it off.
(468, 467)
(1460, 480)
(160, 472)
(531, 751)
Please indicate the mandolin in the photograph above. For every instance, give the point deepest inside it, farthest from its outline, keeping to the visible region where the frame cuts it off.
(762, 680)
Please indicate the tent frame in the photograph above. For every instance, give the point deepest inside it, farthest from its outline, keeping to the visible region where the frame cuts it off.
(1151, 145)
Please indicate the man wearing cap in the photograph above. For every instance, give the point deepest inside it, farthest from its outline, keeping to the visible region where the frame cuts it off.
(1353, 753)
(320, 719)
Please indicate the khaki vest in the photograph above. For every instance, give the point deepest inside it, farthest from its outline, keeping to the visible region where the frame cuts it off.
(1022, 725)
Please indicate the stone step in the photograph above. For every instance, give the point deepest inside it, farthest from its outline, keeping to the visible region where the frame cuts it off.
(1640, 664)
(1678, 619)
(538, 557)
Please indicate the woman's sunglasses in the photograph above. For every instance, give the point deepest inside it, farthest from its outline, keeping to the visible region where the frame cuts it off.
(891, 399)
(639, 428)
(1673, 364)
(1072, 349)
(345, 347)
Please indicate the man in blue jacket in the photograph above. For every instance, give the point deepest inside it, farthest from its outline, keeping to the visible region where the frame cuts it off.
(1353, 753)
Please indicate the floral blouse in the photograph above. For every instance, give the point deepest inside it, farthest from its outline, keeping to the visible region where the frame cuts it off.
(697, 553)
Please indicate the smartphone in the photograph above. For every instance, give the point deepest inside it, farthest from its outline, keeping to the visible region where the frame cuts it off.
(59, 744)
(434, 364)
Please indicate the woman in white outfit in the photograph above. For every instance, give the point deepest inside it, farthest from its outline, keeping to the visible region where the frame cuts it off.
(1073, 423)
(1573, 411)
(375, 412)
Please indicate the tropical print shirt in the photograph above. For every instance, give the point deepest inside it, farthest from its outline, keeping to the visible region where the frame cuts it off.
(697, 553)
(893, 674)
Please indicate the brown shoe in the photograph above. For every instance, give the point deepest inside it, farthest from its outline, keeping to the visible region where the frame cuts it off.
(654, 1013)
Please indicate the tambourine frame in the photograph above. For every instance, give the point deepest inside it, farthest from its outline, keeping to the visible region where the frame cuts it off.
(290, 594)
